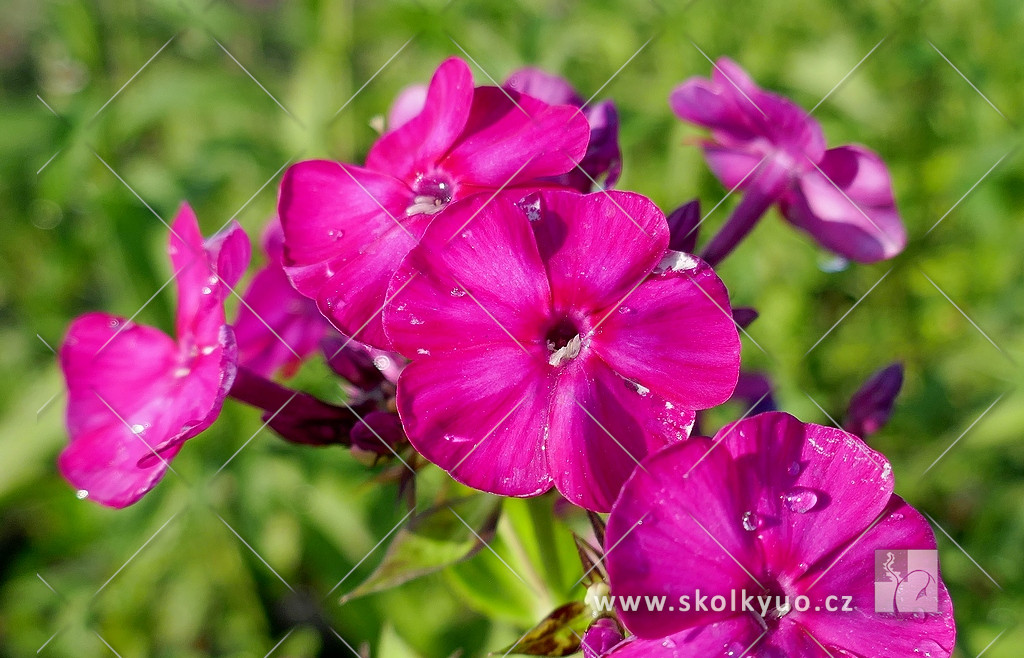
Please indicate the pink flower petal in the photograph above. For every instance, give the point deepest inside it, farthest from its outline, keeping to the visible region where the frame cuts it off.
(675, 335)
(596, 247)
(552, 89)
(601, 427)
(416, 145)
(475, 279)
(814, 488)
(276, 326)
(848, 206)
(479, 413)
(511, 138)
(130, 396)
(677, 527)
(866, 632)
(113, 466)
(409, 103)
(709, 104)
(731, 166)
(345, 234)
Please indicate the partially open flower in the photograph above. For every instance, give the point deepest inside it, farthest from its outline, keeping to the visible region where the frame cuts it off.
(135, 395)
(773, 149)
(555, 341)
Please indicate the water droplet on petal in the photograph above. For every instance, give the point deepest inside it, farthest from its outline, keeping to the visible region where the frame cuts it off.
(929, 648)
(794, 468)
(181, 372)
(668, 643)
(335, 234)
(896, 516)
(207, 350)
(458, 292)
(675, 261)
(381, 362)
(212, 280)
(137, 429)
(415, 320)
(207, 290)
(800, 500)
(81, 494)
(114, 324)
(751, 521)
(422, 351)
(625, 309)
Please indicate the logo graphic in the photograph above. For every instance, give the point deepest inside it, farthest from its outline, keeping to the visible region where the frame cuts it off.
(906, 581)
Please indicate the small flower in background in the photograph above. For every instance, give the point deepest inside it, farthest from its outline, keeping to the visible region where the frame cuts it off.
(773, 150)
(555, 341)
(347, 228)
(871, 406)
(277, 328)
(135, 395)
(602, 163)
(778, 508)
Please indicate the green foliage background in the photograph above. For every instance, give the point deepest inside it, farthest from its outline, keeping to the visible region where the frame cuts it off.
(193, 125)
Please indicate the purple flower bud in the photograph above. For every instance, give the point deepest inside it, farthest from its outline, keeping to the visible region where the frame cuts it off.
(871, 406)
(601, 637)
(378, 432)
(683, 223)
(744, 316)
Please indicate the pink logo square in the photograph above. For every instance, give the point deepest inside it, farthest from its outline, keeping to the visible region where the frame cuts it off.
(906, 581)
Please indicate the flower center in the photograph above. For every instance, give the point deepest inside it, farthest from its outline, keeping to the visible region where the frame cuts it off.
(430, 195)
(564, 342)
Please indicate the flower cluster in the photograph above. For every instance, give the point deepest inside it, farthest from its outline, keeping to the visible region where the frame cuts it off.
(492, 307)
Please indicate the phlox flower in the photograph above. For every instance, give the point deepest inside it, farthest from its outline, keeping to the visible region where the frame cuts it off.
(555, 342)
(347, 227)
(135, 394)
(773, 507)
(773, 150)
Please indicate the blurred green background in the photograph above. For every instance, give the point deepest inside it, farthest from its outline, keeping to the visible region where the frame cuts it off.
(170, 577)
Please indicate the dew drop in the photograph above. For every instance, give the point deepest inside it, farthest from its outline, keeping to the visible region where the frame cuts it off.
(181, 372)
(415, 320)
(625, 309)
(212, 280)
(896, 516)
(207, 290)
(458, 292)
(929, 648)
(794, 468)
(422, 351)
(668, 643)
(137, 429)
(800, 500)
(207, 350)
(381, 362)
(751, 522)
(335, 234)
(81, 494)
(114, 324)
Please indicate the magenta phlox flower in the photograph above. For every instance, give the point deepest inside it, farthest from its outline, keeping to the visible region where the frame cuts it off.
(347, 228)
(555, 341)
(135, 394)
(773, 150)
(771, 507)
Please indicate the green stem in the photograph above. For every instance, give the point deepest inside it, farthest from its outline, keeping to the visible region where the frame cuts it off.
(542, 518)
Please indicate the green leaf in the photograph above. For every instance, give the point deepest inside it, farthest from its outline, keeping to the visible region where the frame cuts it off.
(432, 540)
(559, 634)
